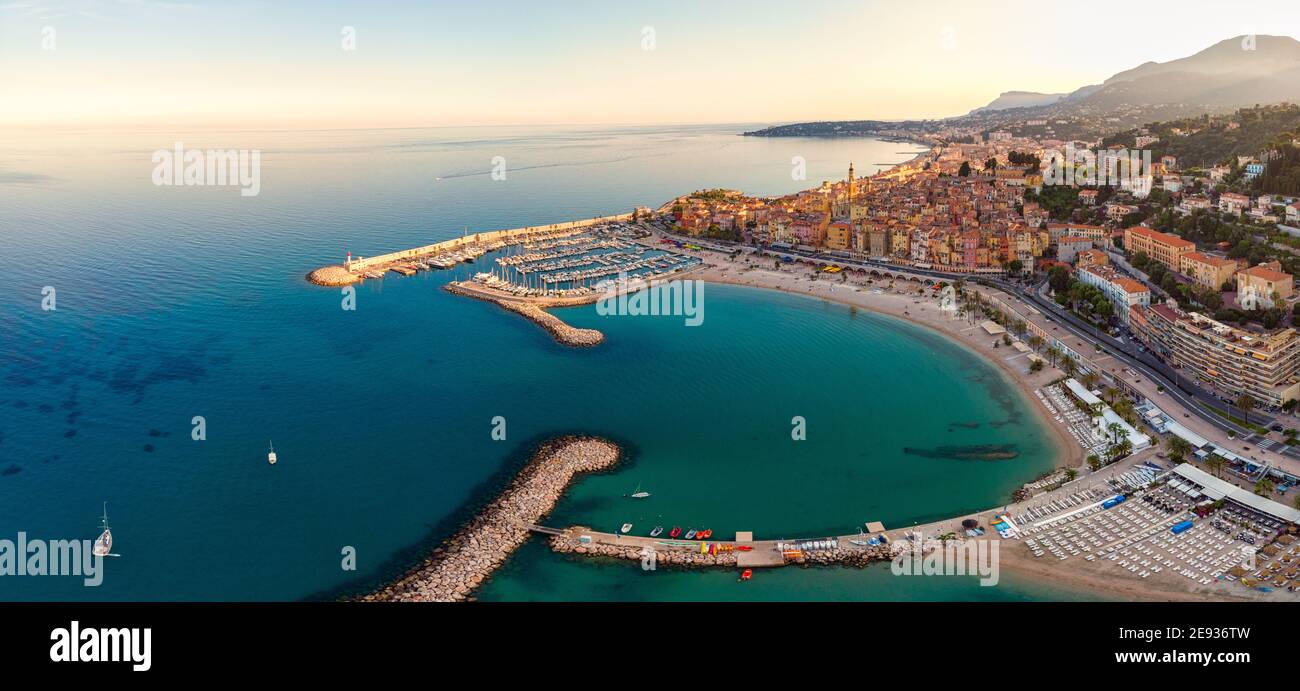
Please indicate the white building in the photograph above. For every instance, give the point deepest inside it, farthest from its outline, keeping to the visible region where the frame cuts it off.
(1122, 291)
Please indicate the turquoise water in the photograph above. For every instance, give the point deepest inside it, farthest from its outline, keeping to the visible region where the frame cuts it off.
(181, 302)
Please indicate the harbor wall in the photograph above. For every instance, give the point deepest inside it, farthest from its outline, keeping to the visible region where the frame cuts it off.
(363, 263)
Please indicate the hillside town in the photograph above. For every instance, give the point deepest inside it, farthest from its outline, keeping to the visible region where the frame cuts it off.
(1185, 261)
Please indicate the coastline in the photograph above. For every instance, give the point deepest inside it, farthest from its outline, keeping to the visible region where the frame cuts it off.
(899, 306)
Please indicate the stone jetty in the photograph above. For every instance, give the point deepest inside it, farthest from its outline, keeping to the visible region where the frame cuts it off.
(462, 563)
(585, 542)
(569, 544)
(562, 332)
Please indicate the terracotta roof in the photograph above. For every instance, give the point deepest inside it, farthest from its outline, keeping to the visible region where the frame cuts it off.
(1267, 274)
(1166, 238)
(1209, 259)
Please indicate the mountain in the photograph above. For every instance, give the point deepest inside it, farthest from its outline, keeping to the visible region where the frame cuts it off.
(1236, 72)
(1231, 74)
(1020, 99)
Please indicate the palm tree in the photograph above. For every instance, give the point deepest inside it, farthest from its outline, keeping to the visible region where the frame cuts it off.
(1114, 429)
(1110, 393)
(1264, 487)
(1245, 404)
(1214, 463)
(1052, 354)
(1068, 365)
(1070, 474)
(1035, 341)
(1089, 379)
(1094, 462)
(1178, 448)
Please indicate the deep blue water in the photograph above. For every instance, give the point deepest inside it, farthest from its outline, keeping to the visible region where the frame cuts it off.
(176, 302)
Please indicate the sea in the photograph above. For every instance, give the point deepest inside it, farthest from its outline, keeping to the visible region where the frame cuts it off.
(156, 340)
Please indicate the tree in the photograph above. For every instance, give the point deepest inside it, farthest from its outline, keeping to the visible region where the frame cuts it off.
(1245, 404)
(1214, 463)
(1070, 474)
(1036, 342)
(1036, 366)
(964, 171)
(1114, 429)
(1094, 462)
(1178, 448)
(1052, 354)
(1068, 365)
(1110, 393)
(1089, 379)
(1015, 266)
(1264, 487)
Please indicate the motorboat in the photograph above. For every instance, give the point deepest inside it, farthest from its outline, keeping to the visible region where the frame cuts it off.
(675, 532)
(627, 528)
(657, 531)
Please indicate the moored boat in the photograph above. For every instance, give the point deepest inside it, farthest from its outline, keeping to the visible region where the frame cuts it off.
(690, 534)
(675, 532)
(657, 531)
(627, 527)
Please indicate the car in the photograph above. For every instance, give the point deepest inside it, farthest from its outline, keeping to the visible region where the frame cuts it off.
(1276, 428)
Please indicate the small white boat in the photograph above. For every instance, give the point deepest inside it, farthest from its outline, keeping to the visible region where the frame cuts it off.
(638, 494)
(270, 457)
(657, 531)
(104, 543)
(627, 528)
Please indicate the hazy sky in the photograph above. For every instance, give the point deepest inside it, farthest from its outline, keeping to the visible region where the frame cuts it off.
(282, 64)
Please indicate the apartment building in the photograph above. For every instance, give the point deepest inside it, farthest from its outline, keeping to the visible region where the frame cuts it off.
(1123, 292)
(1232, 360)
(1162, 247)
(1207, 270)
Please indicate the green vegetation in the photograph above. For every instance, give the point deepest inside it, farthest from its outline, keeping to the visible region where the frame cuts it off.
(1233, 418)
(1209, 140)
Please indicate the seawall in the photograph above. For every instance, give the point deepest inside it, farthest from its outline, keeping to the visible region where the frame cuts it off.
(562, 332)
(338, 274)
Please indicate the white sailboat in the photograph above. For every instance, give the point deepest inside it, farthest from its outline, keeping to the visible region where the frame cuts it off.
(270, 457)
(104, 543)
(638, 494)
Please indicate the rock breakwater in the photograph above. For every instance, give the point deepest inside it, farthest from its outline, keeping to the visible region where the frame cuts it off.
(562, 332)
(462, 563)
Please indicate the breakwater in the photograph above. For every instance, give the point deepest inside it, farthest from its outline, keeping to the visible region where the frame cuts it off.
(353, 270)
(562, 332)
(462, 563)
(690, 556)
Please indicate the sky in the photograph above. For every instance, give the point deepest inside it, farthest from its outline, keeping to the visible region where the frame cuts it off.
(286, 64)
